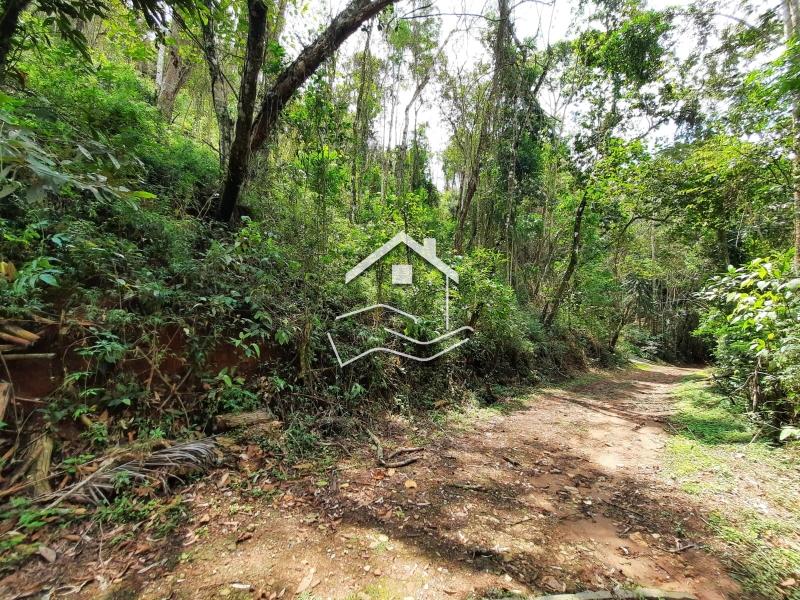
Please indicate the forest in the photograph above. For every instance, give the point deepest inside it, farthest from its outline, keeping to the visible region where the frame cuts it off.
(203, 351)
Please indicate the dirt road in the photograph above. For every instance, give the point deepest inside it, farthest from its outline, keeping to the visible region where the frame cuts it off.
(562, 492)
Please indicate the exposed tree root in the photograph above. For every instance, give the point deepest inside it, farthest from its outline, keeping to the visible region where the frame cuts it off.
(387, 461)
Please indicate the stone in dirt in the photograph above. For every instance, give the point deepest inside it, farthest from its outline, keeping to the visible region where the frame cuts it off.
(47, 553)
(638, 538)
(551, 583)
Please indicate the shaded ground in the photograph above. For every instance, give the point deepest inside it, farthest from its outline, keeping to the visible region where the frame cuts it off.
(563, 492)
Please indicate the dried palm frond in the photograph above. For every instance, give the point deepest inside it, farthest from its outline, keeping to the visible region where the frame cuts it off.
(156, 468)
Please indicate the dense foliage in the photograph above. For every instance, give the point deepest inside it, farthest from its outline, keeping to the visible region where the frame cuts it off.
(754, 323)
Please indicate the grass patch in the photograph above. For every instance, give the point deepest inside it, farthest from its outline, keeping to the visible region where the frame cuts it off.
(713, 455)
(688, 457)
(761, 557)
(707, 416)
(581, 380)
(641, 365)
(376, 591)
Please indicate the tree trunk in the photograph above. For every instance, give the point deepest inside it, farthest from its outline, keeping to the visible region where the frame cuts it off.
(9, 19)
(791, 25)
(219, 85)
(288, 82)
(796, 178)
(551, 311)
(277, 20)
(473, 175)
(227, 421)
(176, 72)
(623, 320)
(239, 159)
(360, 126)
(612, 344)
(386, 155)
(38, 475)
(724, 249)
(401, 164)
(160, 66)
(470, 187)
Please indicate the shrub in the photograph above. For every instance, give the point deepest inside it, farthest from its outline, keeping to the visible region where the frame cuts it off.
(754, 319)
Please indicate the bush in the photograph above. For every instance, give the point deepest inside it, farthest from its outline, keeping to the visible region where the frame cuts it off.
(639, 342)
(753, 318)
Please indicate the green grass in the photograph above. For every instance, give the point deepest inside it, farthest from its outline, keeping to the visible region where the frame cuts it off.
(708, 417)
(641, 365)
(761, 559)
(376, 591)
(581, 380)
(714, 450)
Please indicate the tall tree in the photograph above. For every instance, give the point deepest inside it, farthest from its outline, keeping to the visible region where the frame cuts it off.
(210, 44)
(791, 24)
(612, 65)
(469, 184)
(288, 82)
(551, 309)
(362, 120)
(175, 72)
(239, 159)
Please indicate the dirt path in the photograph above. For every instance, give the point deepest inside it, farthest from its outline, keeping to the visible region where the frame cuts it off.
(561, 493)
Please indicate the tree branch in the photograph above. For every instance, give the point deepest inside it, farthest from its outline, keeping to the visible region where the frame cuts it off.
(296, 74)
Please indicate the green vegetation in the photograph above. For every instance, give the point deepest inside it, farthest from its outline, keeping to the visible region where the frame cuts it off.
(180, 200)
(707, 417)
(719, 455)
(376, 591)
(754, 317)
(15, 546)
